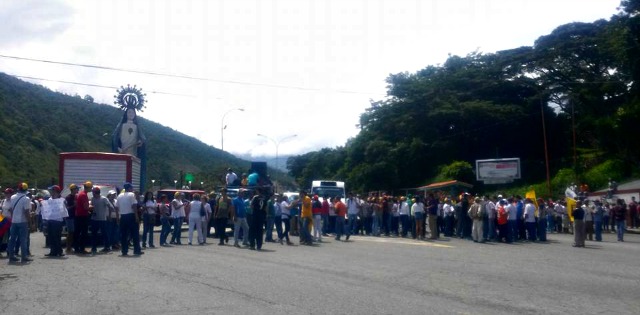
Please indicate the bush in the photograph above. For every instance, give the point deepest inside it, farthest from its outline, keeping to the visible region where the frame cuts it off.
(598, 177)
(458, 170)
(561, 181)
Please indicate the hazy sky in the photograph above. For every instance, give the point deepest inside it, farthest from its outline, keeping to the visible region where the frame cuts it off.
(302, 67)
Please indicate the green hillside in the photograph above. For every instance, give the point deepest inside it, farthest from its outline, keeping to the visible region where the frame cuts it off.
(36, 124)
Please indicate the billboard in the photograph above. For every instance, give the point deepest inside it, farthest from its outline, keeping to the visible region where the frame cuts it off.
(498, 170)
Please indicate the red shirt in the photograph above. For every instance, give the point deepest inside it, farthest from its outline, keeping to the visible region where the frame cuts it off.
(82, 208)
(341, 209)
(502, 215)
(325, 207)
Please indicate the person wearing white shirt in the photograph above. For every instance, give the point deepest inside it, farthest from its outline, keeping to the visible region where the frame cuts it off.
(404, 216)
(449, 218)
(285, 209)
(231, 177)
(195, 219)
(20, 205)
(178, 214)
(530, 219)
(418, 211)
(129, 221)
(148, 219)
(54, 222)
(490, 231)
(207, 217)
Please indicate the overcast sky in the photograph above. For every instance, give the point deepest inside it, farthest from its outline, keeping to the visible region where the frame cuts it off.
(296, 67)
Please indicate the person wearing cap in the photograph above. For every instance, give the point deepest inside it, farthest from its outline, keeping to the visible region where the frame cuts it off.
(341, 212)
(165, 219)
(129, 221)
(476, 213)
(113, 221)
(5, 206)
(502, 213)
(70, 202)
(178, 214)
(81, 233)
(101, 208)
(54, 222)
(20, 206)
(285, 211)
(530, 219)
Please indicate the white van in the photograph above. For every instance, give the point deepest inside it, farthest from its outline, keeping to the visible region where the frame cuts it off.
(329, 188)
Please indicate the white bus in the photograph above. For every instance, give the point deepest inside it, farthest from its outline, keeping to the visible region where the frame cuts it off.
(329, 188)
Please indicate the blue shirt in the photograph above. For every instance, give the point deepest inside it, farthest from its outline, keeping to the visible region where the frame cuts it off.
(238, 204)
(520, 209)
(252, 179)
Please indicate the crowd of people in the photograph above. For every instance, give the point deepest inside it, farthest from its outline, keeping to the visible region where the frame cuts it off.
(114, 219)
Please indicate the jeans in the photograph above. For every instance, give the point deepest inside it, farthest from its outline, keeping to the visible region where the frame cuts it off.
(81, 234)
(620, 224)
(485, 228)
(54, 235)
(256, 229)
(340, 227)
(598, 230)
(305, 236)
(531, 230)
(317, 226)
(448, 225)
(148, 221)
(278, 221)
(287, 225)
(353, 223)
(404, 221)
(101, 226)
(375, 225)
(129, 230)
(542, 229)
(113, 232)
(268, 230)
(550, 223)
(237, 224)
(195, 223)
(166, 229)
(325, 223)
(221, 229)
(332, 224)
(18, 232)
(512, 234)
(177, 230)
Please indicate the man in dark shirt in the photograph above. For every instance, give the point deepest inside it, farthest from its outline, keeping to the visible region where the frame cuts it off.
(620, 215)
(70, 201)
(259, 206)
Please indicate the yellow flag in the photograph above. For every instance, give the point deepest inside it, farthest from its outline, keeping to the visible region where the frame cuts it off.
(571, 205)
(531, 194)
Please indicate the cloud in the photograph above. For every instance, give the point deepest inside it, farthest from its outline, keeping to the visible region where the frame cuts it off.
(32, 20)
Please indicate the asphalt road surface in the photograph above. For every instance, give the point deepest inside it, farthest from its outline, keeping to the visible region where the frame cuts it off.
(366, 275)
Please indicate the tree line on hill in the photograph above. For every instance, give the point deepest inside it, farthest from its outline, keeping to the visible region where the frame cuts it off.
(580, 81)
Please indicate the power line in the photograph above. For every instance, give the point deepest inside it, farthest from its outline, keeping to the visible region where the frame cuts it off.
(95, 85)
(182, 76)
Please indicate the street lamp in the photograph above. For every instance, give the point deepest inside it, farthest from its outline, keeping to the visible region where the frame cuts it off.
(277, 143)
(202, 185)
(175, 184)
(223, 126)
(153, 184)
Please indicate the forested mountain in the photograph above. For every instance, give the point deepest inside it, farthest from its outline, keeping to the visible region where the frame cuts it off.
(36, 124)
(582, 80)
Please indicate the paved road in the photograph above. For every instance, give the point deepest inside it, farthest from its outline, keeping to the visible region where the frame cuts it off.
(364, 276)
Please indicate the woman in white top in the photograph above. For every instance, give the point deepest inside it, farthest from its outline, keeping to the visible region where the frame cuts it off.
(198, 211)
(178, 214)
(418, 211)
(148, 219)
